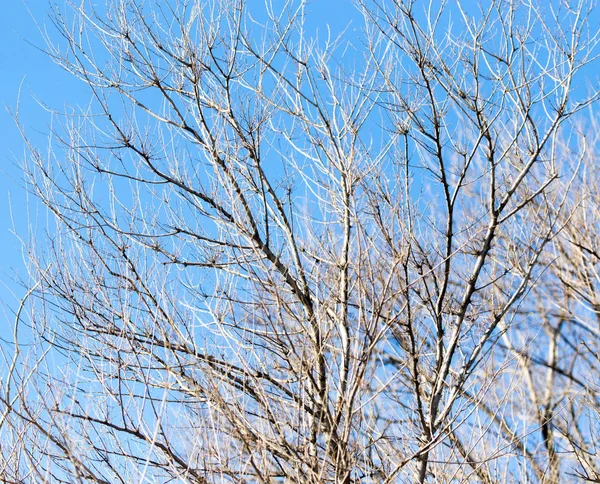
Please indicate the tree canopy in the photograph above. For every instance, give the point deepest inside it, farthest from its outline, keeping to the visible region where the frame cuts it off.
(275, 255)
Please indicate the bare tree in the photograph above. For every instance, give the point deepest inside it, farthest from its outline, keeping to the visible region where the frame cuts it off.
(278, 257)
(558, 353)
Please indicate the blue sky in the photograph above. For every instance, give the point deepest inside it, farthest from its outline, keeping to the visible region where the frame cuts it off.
(22, 64)
(24, 67)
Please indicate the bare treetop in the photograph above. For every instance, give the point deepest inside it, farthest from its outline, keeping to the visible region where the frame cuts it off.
(277, 257)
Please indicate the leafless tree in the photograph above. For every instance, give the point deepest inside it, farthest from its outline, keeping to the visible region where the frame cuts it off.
(558, 352)
(283, 257)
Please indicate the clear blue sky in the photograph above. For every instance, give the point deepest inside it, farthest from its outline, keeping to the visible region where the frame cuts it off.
(19, 62)
(23, 64)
